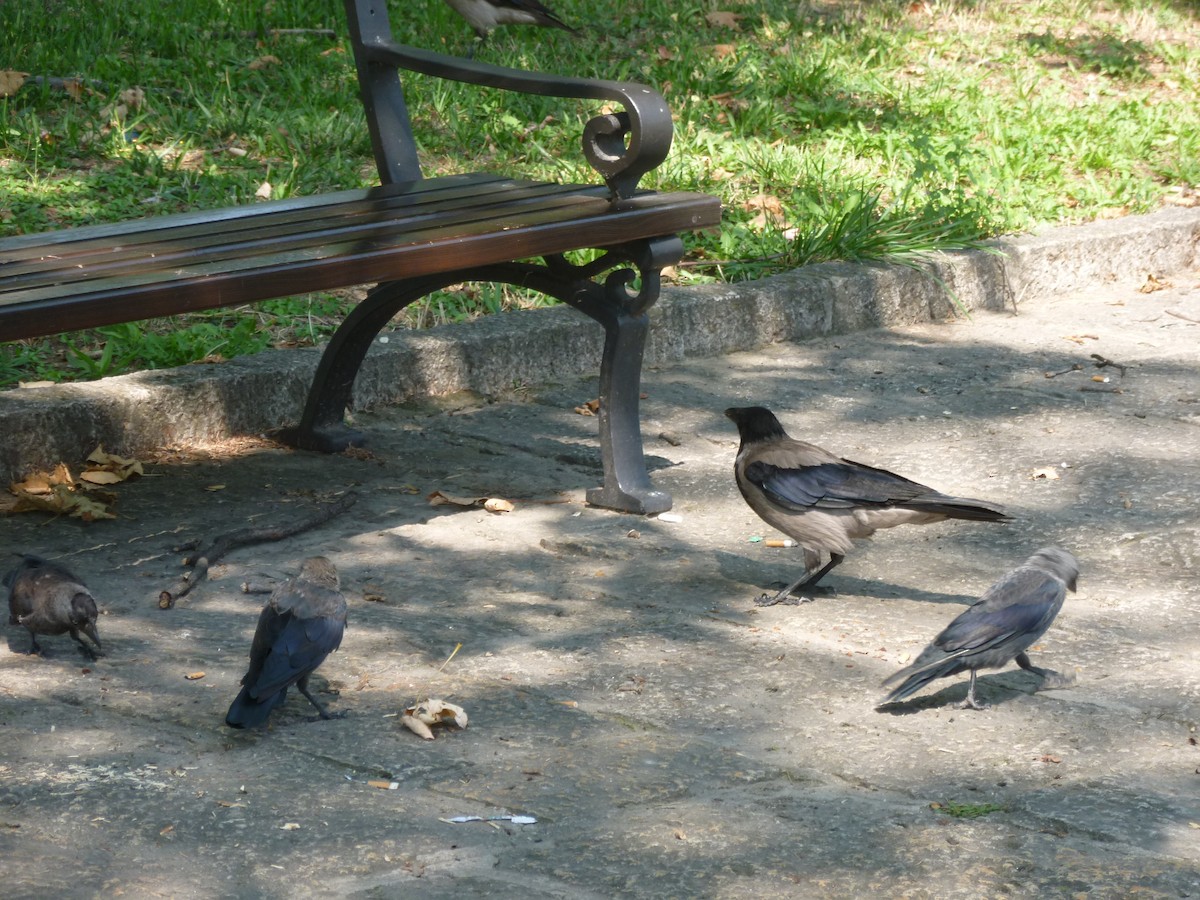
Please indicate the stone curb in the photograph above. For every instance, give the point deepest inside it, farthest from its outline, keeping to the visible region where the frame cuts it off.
(132, 414)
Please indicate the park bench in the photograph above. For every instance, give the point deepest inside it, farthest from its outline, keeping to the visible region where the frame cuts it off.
(408, 236)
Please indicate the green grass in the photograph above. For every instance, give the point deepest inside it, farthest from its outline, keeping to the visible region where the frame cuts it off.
(838, 130)
(967, 810)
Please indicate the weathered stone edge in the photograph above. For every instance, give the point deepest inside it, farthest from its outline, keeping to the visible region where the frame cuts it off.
(132, 414)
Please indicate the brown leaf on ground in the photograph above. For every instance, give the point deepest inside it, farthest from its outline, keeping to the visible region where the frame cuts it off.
(11, 81)
(57, 492)
(108, 468)
(769, 209)
(420, 718)
(724, 19)
(1154, 283)
(417, 727)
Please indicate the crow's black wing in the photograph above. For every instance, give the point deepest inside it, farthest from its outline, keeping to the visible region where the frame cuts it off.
(1023, 603)
(842, 485)
(298, 647)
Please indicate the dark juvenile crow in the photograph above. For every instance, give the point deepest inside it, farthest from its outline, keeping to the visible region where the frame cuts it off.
(301, 624)
(997, 629)
(485, 15)
(825, 502)
(47, 599)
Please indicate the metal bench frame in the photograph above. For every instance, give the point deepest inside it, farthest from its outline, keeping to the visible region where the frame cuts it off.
(409, 236)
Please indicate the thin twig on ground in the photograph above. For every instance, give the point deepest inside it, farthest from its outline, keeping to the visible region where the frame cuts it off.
(245, 537)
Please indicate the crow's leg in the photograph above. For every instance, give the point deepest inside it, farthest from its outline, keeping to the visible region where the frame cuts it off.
(1050, 678)
(806, 582)
(35, 648)
(971, 702)
(302, 686)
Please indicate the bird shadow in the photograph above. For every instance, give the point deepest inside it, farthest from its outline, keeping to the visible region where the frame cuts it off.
(989, 689)
(739, 568)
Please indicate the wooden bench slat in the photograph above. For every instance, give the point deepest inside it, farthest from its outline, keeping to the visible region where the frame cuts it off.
(164, 245)
(225, 280)
(15, 255)
(111, 232)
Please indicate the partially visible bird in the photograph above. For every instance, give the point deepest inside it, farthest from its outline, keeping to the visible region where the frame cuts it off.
(825, 502)
(300, 625)
(998, 628)
(45, 598)
(485, 15)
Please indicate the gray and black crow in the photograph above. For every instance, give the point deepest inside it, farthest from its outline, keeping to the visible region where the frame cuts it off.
(998, 628)
(825, 502)
(47, 599)
(301, 624)
(485, 15)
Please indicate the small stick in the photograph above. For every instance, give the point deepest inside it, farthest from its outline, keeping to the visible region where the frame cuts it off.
(1101, 362)
(1078, 367)
(245, 537)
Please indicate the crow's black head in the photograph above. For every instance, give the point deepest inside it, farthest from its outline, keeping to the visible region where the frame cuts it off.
(755, 423)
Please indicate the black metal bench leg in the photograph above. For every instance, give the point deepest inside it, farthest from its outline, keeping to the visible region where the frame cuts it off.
(623, 315)
(627, 484)
(322, 426)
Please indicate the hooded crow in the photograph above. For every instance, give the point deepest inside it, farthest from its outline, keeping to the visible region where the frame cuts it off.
(998, 628)
(825, 502)
(47, 599)
(301, 624)
(485, 15)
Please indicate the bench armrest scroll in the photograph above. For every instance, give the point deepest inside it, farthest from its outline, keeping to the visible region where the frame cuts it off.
(621, 146)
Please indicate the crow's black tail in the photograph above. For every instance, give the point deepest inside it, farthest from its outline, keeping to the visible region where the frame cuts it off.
(958, 508)
(246, 712)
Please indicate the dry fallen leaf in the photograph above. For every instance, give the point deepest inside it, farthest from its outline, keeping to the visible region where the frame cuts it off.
(194, 676)
(769, 211)
(11, 81)
(417, 727)
(497, 504)
(120, 466)
(290, 826)
(1048, 473)
(419, 718)
(73, 87)
(263, 62)
(264, 191)
(1153, 284)
(100, 476)
(1049, 758)
(56, 492)
(722, 19)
